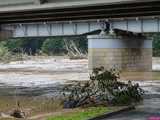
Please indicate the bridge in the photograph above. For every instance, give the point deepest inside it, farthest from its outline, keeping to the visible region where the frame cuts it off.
(122, 42)
(72, 17)
(71, 28)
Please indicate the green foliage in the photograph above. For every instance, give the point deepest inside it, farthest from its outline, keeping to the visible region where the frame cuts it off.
(50, 46)
(103, 88)
(156, 45)
(53, 46)
(27, 45)
(4, 54)
(14, 44)
(83, 114)
(12, 50)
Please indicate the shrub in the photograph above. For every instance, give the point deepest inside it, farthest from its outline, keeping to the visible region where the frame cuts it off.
(27, 45)
(53, 46)
(156, 45)
(102, 88)
(4, 54)
(15, 44)
(7, 55)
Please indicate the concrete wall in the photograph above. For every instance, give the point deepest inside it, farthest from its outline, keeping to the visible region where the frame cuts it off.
(132, 56)
(15, 2)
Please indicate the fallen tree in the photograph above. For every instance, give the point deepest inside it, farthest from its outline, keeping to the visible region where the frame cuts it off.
(73, 50)
(103, 88)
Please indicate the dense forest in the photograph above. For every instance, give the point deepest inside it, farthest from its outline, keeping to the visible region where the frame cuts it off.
(44, 46)
(156, 45)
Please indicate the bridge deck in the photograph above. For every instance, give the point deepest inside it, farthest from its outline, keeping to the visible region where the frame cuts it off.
(81, 28)
(66, 11)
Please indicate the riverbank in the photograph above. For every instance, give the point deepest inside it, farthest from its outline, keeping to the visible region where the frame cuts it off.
(35, 83)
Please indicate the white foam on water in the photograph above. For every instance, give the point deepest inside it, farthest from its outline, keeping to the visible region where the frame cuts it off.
(65, 67)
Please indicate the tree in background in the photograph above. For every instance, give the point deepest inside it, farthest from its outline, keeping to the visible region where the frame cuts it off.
(82, 43)
(27, 45)
(156, 45)
(49, 46)
(53, 46)
(77, 47)
(4, 54)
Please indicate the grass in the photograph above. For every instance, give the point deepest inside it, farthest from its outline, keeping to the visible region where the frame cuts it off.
(30, 106)
(82, 114)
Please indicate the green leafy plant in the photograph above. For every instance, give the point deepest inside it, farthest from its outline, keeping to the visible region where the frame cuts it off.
(4, 54)
(53, 46)
(156, 45)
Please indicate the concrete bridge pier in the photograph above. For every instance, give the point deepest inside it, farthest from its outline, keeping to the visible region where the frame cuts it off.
(131, 55)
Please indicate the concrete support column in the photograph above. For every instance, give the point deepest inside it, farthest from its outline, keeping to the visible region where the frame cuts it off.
(131, 55)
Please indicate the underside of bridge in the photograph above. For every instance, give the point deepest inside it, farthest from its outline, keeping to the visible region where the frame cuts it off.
(66, 10)
(129, 53)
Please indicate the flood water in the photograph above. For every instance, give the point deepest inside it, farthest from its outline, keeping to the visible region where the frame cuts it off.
(40, 76)
(43, 76)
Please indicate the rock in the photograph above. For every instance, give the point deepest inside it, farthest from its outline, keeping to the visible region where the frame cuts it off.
(70, 104)
(18, 114)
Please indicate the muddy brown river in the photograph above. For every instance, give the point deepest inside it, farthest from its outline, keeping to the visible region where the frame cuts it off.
(40, 76)
(44, 77)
